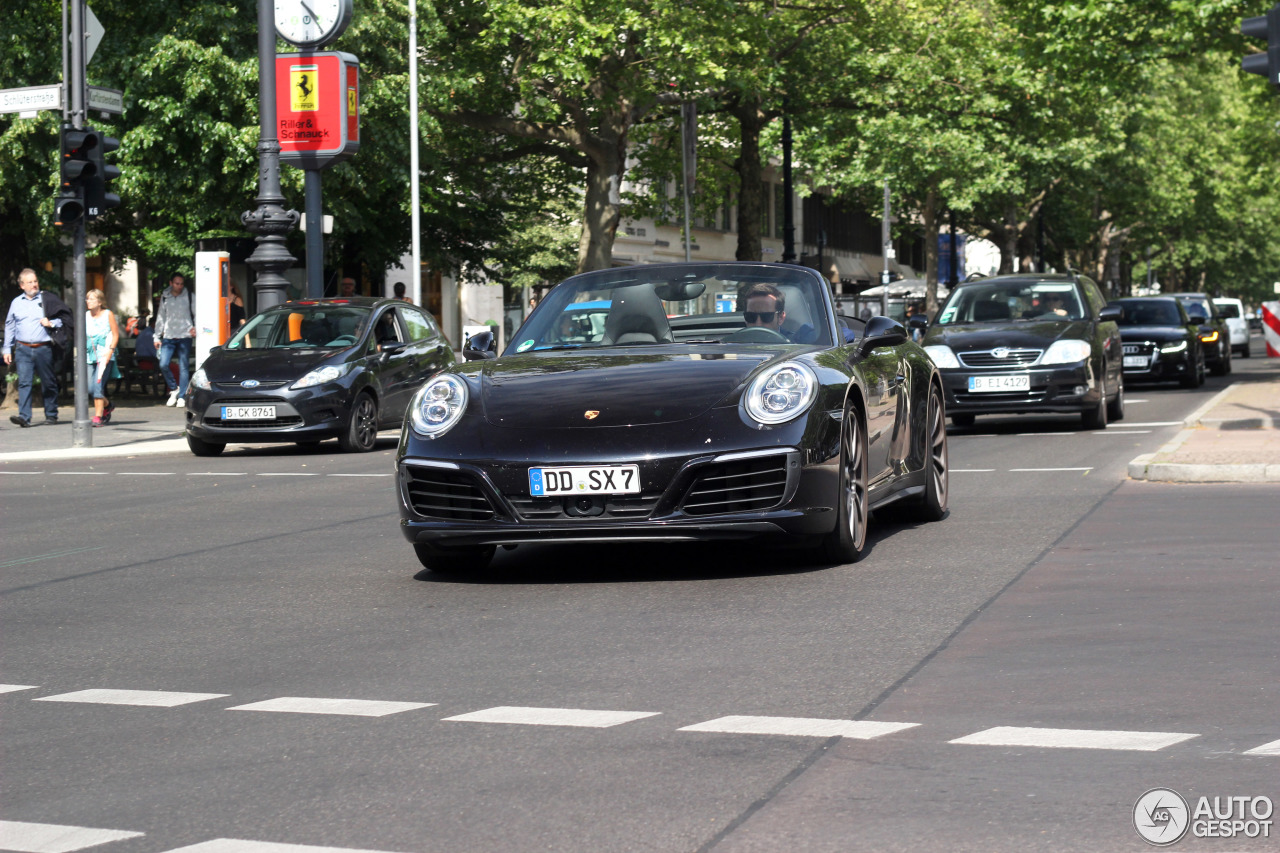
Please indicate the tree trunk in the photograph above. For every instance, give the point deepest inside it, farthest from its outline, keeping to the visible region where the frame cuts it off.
(930, 216)
(1009, 252)
(602, 208)
(751, 200)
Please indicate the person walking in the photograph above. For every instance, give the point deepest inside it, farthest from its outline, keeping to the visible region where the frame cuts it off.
(36, 325)
(175, 330)
(102, 338)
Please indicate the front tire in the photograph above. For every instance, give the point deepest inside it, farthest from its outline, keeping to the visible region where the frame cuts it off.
(848, 542)
(361, 433)
(932, 505)
(205, 448)
(455, 560)
(1096, 418)
(1115, 409)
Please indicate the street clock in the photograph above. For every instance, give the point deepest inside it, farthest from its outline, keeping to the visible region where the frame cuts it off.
(311, 23)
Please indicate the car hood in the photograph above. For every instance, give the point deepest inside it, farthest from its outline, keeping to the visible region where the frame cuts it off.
(265, 365)
(625, 387)
(1028, 335)
(1152, 333)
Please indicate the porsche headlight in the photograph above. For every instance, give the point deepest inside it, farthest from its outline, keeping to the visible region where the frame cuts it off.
(200, 379)
(781, 393)
(321, 375)
(438, 406)
(1172, 348)
(1066, 352)
(942, 356)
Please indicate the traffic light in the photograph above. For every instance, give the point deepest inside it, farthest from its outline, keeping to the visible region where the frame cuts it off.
(1265, 27)
(97, 201)
(74, 172)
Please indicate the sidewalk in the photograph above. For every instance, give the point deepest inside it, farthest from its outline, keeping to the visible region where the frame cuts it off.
(141, 424)
(1233, 438)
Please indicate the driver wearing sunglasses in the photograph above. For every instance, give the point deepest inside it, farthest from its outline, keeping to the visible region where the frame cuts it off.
(765, 307)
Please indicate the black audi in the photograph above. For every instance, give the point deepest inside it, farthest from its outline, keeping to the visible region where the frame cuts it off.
(1161, 341)
(310, 370)
(713, 401)
(1029, 343)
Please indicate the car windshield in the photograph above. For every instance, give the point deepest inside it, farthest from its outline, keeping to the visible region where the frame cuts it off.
(1190, 302)
(297, 325)
(1008, 301)
(1141, 312)
(700, 303)
(1230, 310)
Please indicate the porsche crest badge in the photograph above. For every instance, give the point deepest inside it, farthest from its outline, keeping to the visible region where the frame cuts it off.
(591, 414)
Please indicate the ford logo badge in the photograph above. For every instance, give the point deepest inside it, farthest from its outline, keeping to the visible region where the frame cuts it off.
(250, 383)
(1000, 352)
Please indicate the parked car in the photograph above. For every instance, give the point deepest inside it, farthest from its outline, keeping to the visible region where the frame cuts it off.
(676, 421)
(1214, 333)
(1029, 343)
(310, 370)
(1161, 344)
(1232, 310)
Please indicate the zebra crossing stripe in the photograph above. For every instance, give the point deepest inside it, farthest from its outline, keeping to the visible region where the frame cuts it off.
(1074, 738)
(801, 726)
(53, 838)
(236, 845)
(9, 688)
(553, 717)
(153, 698)
(353, 707)
(1272, 748)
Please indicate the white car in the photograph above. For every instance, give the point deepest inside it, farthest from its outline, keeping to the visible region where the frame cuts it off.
(1232, 310)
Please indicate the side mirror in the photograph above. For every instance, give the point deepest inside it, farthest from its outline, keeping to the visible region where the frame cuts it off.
(882, 332)
(481, 345)
(1111, 312)
(918, 322)
(391, 347)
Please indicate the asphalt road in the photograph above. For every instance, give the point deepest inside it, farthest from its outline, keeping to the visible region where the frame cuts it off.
(1056, 595)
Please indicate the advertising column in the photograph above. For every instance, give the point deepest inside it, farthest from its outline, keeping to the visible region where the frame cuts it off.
(212, 302)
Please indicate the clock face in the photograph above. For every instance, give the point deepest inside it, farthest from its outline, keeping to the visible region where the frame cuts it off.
(310, 23)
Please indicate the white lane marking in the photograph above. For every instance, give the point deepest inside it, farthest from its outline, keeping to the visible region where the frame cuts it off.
(1151, 424)
(1050, 469)
(1074, 738)
(353, 707)
(1122, 432)
(287, 474)
(53, 838)
(217, 473)
(152, 698)
(33, 473)
(860, 729)
(237, 845)
(972, 470)
(144, 473)
(1272, 748)
(80, 473)
(1046, 434)
(9, 688)
(553, 717)
(1128, 400)
(357, 475)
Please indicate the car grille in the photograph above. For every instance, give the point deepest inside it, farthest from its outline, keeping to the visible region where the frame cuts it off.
(446, 495)
(1139, 348)
(1034, 395)
(553, 509)
(743, 485)
(987, 358)
(236, 386)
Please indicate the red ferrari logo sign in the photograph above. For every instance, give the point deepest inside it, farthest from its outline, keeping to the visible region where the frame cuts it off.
(317, 108)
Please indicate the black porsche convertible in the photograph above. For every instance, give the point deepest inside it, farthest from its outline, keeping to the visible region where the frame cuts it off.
(701, 401)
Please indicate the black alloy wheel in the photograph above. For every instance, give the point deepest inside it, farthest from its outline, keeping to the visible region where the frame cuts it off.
(848, 541)
(1096, 418)
(454, 560)
(361, 433)
(932, 505)
(1115, 409)
(1194, 377)
(205, 448)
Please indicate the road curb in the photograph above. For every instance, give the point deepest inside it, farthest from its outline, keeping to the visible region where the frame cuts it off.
(1193, 420)
(1142, 468)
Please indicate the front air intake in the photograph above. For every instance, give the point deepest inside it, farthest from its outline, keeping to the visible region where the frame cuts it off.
(743, 485)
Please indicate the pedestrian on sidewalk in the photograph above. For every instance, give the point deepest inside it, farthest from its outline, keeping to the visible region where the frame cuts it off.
(102, 337)
(36, 333)
(175, 330)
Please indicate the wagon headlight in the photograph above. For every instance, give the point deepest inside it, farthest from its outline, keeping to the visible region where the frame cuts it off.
(321, 375)
(1066, 352)
(781, 393)
(200, 379)
(438, 406)
(942, 356)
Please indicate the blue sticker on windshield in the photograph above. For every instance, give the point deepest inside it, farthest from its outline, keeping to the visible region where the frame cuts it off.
(524, 346)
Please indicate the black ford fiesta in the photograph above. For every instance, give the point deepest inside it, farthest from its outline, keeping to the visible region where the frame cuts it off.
(711, 401)
(310, 370)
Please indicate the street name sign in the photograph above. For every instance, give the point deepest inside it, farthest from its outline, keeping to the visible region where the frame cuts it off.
(31, 99)
(106, 100)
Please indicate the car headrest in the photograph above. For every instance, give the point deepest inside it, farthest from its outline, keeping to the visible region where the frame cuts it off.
(636, 316)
